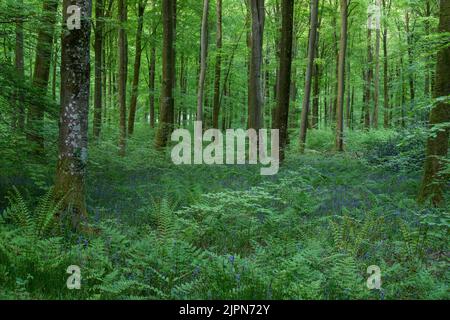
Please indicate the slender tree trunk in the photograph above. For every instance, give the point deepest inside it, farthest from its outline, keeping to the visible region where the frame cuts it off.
(218, 67)
(409, 38)
(341, 77)
(427, 33)
(73, 126)
(256, 93)
(369, 77)
(167, 100)
(123, 71)
(348, 98)
(434, 180)
(42, 73)
(309, 69)
(334, 102)
(376, 97)
(98, 47)
(137, 67)
(386, 71)
(203, 60)
(316, 89)
(284, 85)
(54, 66)
(151, 81)
(20, 69)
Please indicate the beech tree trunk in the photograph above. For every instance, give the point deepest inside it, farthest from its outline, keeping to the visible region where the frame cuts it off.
(137, 67)
(341, 77)
(123, 71)
(257, 9)
(151, 82)
(203, 60)
(73, 125)
(98, 47)
(218, 67)
(434, 181)
(20, 69)
(284, 84)
(369, 78)
(387, 119)
(376, 97)
(168, 64)
(309, 70)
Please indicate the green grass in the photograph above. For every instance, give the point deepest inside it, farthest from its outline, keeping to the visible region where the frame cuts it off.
(225, 232)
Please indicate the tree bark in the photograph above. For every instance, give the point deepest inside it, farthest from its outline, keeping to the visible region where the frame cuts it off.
(218, 67)
(203, 60)
(409, 38)
(73, 125)
(309, 70)
(123, 71)
(386, 69)
(316, 88)
(376, 97)
(151, 82)
(168, 63)
(284, 84)
(98, 47)
(341, 77)
(256, 93)
(137, 67)
(434, 181)
(369, 77)
(20, 69)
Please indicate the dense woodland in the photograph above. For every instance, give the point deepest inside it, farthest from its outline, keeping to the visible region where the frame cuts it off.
(358, 89)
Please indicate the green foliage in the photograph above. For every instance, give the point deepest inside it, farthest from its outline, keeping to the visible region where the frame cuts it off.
(308, 233)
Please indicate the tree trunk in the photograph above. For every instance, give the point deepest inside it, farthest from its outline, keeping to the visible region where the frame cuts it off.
(137, 67)
(434, 181)
(42, 73)
(123, 71)
(256, 92)
(168, 64)
(386, 70)
(376, 97)
(316, 88)
(284, 84)
(334, 102)
(427, 33)
(218, 67)
(20, 69)
(151, 81)
(309, 70)
(98, 47)
(203, 60)
(341, 77)
(73, 126)
(369, 77)
(409, 38)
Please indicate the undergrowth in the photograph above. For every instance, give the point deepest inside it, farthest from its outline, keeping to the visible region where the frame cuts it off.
(225, 232)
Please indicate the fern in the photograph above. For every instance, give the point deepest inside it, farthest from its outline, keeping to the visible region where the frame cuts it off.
(38, 223)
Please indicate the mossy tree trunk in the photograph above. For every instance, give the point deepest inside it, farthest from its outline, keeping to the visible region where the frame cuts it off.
(168, 65)
(73, 124)
(434, 182)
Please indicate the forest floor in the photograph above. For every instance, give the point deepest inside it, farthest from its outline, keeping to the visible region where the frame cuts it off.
(226, 232)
